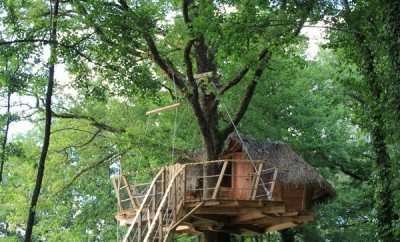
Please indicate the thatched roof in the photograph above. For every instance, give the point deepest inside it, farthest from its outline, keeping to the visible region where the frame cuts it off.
(292, 169)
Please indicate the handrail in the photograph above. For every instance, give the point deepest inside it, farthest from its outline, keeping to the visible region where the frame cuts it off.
(162, 203)
(145, 200)
(222, 160)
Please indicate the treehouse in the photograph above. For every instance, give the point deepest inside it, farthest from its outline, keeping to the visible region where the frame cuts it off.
(256, 187)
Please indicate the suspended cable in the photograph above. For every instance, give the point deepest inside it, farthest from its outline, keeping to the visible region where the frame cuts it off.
(245, 148)
(175, 124)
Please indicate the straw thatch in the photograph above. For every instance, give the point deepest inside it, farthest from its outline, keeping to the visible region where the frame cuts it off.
(292, 169)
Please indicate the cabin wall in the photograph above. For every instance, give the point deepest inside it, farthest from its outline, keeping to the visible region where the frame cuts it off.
(277, 192)
(294, 197)
(241, 180)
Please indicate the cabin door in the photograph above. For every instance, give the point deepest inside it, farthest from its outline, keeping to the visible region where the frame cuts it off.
(242, 179)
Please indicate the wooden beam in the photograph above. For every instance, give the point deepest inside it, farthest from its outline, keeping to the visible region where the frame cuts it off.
(252, 215)
(271, 220)
(187, 215)
(221, 176)
(202, 76)
(162, 109)
(278, 227)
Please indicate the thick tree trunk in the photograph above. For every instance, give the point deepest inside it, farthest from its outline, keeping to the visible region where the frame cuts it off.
(5, 138)
(384, 194)
(287, 235)
(212, 236)
(46, 138)
(393, 30)
(383, 191)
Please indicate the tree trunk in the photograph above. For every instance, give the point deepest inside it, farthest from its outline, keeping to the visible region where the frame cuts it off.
(384, 194)
(383, 191)
(46, 138)
(287, 235)
(393, 29)
(4, 144)
(212, 236)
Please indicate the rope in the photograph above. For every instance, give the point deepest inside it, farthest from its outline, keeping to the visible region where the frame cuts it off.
(175, 125)
(119, 183)
(245, 147)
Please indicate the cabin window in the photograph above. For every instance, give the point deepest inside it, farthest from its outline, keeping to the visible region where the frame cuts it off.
(227, 179)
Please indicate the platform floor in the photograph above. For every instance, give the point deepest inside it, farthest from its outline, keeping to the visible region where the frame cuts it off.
(233, 216)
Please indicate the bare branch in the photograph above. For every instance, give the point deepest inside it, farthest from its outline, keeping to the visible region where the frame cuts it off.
(90, 167)
(18, 41)
(173, 74)
(235, 80)
(93, 121)
(82, 145)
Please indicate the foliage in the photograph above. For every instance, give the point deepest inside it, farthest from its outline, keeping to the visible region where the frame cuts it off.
(323, 107)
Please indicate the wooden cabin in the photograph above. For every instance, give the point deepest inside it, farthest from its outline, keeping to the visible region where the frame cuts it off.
(298, 184)
(256, 187)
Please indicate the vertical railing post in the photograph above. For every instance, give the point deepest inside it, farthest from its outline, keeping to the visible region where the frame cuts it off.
(140, 227)
(256, 181)
(273, 182)
(134, 203)
(184, 183)
(220, 178)
(204, 182)
(174, 200)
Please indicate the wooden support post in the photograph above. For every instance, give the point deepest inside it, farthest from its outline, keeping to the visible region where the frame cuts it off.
(161, 229)
(148, 218)
(256, 181)
(273, 181)
(187, 215)
(175, 200)
(220, 178)
(154, 198)
(204, 183)
(116, 188)
(134, 202)
(184, 183)
(140, 227)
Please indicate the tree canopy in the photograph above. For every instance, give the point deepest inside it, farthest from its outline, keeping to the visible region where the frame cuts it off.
(84, 73)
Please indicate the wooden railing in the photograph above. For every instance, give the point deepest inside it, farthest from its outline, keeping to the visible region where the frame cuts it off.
(205, 181)
(159, 211)
(140, 224)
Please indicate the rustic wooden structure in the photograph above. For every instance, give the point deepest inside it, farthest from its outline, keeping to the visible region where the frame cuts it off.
(255, 188)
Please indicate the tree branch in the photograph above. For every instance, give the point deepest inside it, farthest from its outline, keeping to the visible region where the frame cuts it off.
(189, 67)
(93, 121)
(90, 140)
(90, 167)
(165, 65)
(263, 61)
(234, 81)
(11, 42)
